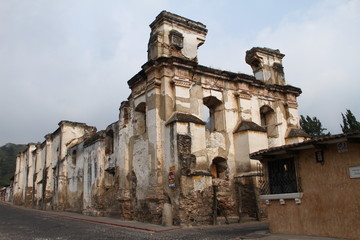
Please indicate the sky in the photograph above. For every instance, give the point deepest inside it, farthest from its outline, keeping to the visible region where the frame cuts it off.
(71, 59)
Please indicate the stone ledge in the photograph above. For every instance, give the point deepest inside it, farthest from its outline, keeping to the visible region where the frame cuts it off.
(184, 117)
(281, 196)
(249, 126)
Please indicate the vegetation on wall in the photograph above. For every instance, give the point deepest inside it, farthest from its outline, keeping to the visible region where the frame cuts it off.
(8, 154)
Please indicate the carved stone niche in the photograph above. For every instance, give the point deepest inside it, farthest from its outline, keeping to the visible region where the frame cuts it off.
(176, 39)
(278, 67)
(186, 159)
(188, 163)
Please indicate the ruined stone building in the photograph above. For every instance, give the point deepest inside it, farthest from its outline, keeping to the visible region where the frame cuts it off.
(184, 129)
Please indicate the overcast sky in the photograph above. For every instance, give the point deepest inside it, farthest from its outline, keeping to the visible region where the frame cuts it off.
(71, 59)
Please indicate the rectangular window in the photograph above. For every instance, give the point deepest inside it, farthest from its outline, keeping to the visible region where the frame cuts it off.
(282, 176)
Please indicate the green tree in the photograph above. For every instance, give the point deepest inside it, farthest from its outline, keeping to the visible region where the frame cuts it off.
(350, 124)
(312, 126)
(8, 161)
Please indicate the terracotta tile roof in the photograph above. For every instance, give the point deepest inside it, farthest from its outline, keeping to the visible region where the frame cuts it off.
(306, 144)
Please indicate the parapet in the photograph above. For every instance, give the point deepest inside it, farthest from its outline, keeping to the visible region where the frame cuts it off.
(178, 20)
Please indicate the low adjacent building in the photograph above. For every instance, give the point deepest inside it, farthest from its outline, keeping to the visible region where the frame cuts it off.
(312, 188)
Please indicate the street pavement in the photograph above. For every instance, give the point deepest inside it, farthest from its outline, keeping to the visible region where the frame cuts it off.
(25, 223)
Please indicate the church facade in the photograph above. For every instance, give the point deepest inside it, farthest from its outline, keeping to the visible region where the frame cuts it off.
(181, 144)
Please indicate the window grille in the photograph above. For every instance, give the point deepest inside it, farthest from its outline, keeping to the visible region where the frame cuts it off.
(281, 178)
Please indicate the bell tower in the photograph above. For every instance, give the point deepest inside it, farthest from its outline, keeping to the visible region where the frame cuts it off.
(266, 64)
(173, 35)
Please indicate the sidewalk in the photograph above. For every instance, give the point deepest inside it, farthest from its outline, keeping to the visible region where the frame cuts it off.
(275, 236)
(147, 227)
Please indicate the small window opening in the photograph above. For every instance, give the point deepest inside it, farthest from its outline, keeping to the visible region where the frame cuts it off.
(268, 121)
(256, 63)
(140, 116)
(73, 157)
(109, 142)
(209, 118)
(210, 115)
(218, 168)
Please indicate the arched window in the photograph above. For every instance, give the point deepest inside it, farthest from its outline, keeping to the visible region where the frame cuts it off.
(268, 120)
(218, 168)
(212, 116)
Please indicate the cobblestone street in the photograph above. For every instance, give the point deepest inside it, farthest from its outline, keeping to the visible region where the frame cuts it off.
(21, 223)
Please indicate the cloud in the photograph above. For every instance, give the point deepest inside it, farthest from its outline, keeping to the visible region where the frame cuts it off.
(321, 47)
(67, 60)
(70, 60)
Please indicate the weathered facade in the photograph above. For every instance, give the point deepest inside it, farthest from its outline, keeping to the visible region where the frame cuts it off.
(312, 188)
(184, 129)
(40, 178)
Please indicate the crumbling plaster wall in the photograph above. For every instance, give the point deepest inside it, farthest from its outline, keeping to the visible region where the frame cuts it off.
(194, 201)
(145, 156)
(39, 178)
(69, 133)
(30, 168)
(66, 135)
(94, 155)
(101, 188)
(141, 167)
(75, 177)
(24, 175)
(56, 167)
(124, 163)
(19, 180)
(52, 156)
(109, 184)
(38, 167)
